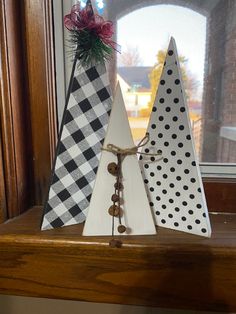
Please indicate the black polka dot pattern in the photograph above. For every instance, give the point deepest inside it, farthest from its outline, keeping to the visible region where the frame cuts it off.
(173, 181)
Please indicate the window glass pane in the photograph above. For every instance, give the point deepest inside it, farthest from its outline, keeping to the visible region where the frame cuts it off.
(140, 64)
(205, 34)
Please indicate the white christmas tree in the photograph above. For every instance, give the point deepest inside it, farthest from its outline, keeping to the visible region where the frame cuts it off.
(136, 217)
(173, 183)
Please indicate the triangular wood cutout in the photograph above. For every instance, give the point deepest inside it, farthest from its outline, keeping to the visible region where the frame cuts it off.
(83, 129)
(137, 216)
(173, 183)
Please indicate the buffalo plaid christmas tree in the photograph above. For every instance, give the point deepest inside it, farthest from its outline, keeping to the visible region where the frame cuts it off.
(84, 122)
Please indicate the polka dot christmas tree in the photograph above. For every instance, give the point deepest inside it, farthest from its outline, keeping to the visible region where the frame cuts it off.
(173, 182)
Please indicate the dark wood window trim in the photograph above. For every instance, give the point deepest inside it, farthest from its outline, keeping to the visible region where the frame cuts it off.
(3, 209)
(39, 50)
(28, 105)
(171, 269)
(13, 110)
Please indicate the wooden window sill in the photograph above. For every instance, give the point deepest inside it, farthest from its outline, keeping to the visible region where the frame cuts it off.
(170, 269)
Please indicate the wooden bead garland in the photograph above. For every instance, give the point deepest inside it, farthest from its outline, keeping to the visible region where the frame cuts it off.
(115, 169)
(115, 210)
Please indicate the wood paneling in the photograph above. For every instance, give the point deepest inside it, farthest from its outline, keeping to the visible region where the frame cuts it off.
(3, 207)
(41, 90)
(170, 269)
(221, 195)
(28, 101)
(13, 109)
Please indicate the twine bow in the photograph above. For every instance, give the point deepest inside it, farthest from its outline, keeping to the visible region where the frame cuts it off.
(121, 153)
(132, 150)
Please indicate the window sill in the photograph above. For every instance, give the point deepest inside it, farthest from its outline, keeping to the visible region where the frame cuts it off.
(170, 269)
(228, 132)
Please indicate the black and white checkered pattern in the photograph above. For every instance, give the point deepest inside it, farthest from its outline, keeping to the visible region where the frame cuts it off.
(82, 134)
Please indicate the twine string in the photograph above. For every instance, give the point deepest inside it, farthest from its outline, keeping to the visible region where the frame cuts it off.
(120, 154)
(132, 150)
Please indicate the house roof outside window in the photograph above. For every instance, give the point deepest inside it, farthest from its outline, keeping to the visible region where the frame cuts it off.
(137, 77)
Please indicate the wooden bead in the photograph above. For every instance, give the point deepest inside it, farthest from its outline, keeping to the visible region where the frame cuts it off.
(118, 186)
(114, 210)
(121, 228)
(112, 168)
(115, 198)
(115, 243)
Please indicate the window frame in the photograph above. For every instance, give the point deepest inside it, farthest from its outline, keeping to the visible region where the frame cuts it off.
(28, 114)
(13, 138)
(27, 104)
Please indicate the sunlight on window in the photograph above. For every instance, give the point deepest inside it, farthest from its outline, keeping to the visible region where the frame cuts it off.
(206, 48)
(144, 36)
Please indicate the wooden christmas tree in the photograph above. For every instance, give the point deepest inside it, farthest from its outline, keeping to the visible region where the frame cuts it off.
(173, 183)
(132, 211)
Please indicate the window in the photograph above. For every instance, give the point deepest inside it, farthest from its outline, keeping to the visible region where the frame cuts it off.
(205, 46)
(28, 114)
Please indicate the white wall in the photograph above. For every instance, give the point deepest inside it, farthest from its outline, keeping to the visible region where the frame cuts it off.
(22, 305)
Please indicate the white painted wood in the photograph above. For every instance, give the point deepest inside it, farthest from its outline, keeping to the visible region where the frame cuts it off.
(137, 215)
(173, 183)
(59, 56)
(63, 58)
